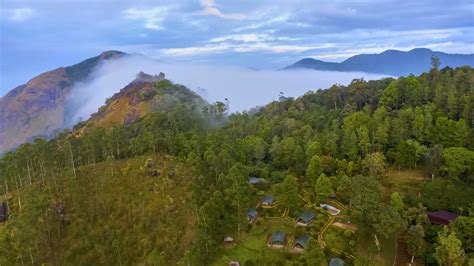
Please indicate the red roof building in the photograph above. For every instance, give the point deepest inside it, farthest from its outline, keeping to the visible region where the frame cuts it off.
(441, 217)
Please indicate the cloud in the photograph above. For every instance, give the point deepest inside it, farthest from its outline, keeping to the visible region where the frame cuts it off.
(251, 37)
(210, 9)
(196, 50)
(264, 22)
(242, 48)
(245, 88)
(18, 14)
(151, 17)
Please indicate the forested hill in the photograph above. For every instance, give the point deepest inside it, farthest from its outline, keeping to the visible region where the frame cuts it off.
(344, 140)
(390, 62)
(145, 94)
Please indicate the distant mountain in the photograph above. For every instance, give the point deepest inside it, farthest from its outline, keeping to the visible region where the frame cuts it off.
(38, 107)
(390, 62)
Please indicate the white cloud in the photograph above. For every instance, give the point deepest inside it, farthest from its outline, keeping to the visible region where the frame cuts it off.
(266, 22)
(18, 14)
(209, 9)
(152, 17)
(242, 48)
(251, 37)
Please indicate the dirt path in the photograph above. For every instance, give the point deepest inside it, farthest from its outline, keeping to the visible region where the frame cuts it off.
(351, 227)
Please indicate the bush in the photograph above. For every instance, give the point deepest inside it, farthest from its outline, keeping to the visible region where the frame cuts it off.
(348, 233)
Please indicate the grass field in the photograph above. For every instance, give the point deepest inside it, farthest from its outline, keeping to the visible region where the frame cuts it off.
(116, 210)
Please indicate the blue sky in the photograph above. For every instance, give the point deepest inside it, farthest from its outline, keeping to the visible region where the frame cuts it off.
(39, 35)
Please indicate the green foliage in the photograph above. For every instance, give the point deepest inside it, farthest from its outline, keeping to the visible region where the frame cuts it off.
(464, 228)
(414, 238)
(449, 250)
(458, 162)
(374, 164)
(323, 188)
(314, 169)
(313, 254)
(344, 132)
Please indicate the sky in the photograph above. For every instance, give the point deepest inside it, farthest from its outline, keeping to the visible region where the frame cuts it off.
(40, 35)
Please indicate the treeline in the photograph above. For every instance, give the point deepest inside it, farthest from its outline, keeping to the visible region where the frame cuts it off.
(339, 140)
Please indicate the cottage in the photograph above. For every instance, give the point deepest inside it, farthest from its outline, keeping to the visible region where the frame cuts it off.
(256, 180)
(251, 215)
(3, 212)
(336, 262)
(305, 218)
(228, 241)
(441, 217)
(267, 201)
(301, 243)
(277, 239)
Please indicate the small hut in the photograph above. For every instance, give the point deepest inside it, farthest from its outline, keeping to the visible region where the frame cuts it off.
(234, 263)
(3, 212)
(305, 218)
(228, 241)
(251, 215)
(256, 180)
(301, 243)
(277, 240)
(441, 217)
(267, 201)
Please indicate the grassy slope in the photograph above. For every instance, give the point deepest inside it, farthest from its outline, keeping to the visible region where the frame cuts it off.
(117, 212)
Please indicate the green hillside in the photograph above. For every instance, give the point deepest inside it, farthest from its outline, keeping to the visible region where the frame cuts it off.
(383, 152)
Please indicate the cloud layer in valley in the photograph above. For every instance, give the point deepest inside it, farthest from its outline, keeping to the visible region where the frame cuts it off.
(245, 88)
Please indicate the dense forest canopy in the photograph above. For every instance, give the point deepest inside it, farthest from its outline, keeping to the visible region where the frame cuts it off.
(340, 140)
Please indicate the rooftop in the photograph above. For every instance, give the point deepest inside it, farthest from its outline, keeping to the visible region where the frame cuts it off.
(255, 180)
(268, 199)
(441, 217)
(278, 237)
(302, 240)
(306, 217)
(252, 213)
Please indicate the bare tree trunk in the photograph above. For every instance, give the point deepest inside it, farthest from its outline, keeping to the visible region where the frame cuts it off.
(72, 160)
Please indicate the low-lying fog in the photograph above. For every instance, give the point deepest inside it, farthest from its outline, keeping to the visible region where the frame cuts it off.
(245, 88)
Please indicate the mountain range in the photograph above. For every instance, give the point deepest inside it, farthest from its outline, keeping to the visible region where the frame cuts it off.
(390, 62)
(46, 103)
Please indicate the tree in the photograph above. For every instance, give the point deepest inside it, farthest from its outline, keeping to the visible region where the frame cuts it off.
(362, 192)
(449, 250)
(414, 238)
(464, 228)
(458, 161)
(396, 202)
(289, 195)
(435, 62)
(386, 221)
(315, 168)
(374, 163)
(434, 159)
(323, 188)
(313, 254)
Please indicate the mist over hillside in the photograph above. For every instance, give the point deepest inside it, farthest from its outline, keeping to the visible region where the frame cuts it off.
(244, 88)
